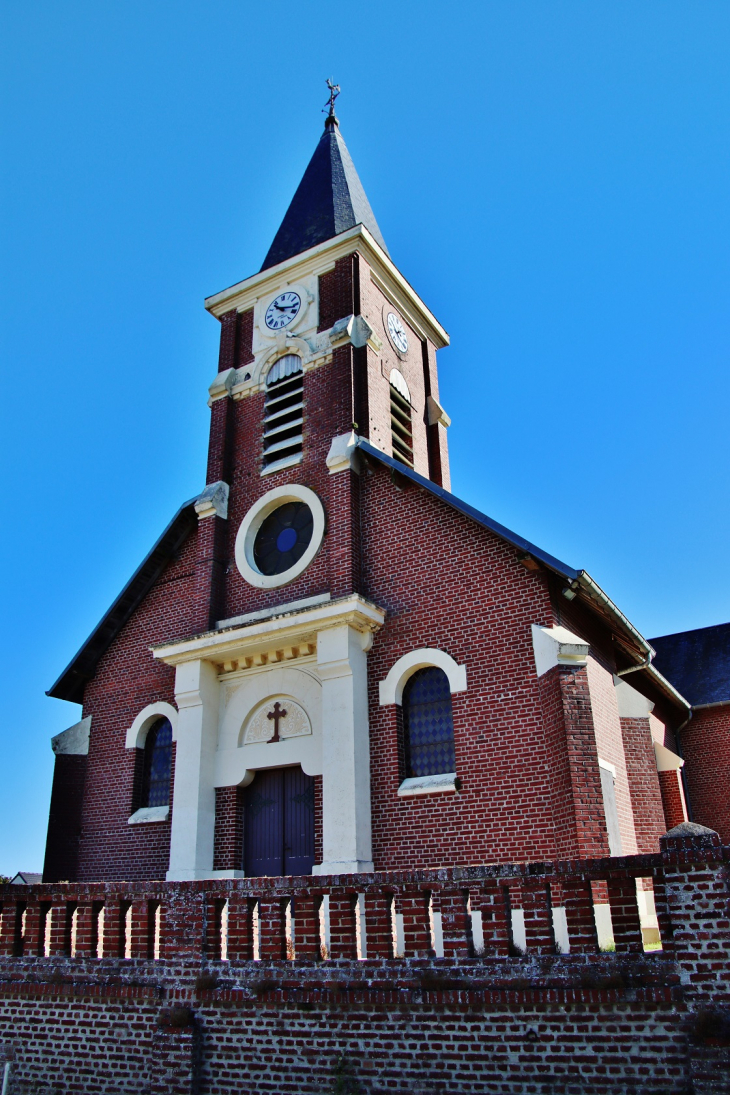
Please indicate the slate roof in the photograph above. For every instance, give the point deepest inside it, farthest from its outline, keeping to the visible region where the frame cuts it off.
(580, 581)
(463, 507)
(329, 200)
(697, 663)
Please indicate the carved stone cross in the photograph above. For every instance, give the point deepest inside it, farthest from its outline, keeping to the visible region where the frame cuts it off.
(276, 714)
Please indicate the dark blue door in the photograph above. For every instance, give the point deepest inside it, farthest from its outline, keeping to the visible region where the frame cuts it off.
(278, 823)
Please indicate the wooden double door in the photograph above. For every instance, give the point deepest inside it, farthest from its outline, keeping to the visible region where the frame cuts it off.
(278, 823)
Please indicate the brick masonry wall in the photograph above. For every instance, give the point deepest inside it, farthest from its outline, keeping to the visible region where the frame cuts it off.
(609, 741)
(65, 818)
(421, 1029)
(646, 796)
(706, 749)
(449, 584)
(191, 1024)
(675, 811)
(374, 307)
(228, 842)
(127, 679)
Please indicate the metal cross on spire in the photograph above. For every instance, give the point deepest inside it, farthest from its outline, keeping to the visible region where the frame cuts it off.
(334, 92)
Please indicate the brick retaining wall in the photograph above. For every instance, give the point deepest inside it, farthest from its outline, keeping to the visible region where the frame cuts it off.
(222, 1009)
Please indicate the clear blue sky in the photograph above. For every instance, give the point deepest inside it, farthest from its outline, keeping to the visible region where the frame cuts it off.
(551, 177)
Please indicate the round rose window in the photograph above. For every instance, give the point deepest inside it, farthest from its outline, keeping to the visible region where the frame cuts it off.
(283, 538)
(280, 536)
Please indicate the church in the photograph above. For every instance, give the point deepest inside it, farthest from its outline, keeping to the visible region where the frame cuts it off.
(330, 664)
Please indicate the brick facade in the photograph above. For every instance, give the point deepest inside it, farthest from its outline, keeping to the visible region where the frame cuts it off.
(474, 958)
(527, 748)
(646, 797)
(675, 809)
(706, 748)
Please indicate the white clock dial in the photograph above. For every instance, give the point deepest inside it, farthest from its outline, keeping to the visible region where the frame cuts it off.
(283, 311)
(397, 333)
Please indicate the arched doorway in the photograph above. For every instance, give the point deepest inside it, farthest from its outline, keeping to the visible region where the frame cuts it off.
(278, 823)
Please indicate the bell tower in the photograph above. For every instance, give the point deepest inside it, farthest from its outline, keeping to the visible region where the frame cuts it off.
(326, 345)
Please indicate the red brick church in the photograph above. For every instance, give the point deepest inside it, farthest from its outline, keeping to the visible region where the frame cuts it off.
(328, 663)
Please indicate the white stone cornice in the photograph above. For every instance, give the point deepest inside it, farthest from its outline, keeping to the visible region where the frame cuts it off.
(295, 629)
(74, 741)
(436, 414)
(221, 386)
(213, 502)
(244, 294)
(343, 453)
(557, 646)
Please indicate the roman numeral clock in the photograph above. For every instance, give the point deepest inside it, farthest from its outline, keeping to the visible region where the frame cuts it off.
(283, 310)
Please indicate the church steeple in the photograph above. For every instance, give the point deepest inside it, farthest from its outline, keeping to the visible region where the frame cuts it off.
(329, 200)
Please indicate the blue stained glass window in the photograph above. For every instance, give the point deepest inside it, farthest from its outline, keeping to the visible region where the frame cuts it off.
(157, 764)
(428, 724)
(283, 538)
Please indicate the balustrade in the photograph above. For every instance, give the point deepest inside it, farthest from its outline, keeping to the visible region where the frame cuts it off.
(497, 911)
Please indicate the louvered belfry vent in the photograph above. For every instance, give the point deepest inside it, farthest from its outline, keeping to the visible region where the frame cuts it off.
(400, 419)
(283, 413)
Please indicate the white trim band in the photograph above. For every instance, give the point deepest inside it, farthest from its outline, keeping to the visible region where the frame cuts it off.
(391, 689)
(149, 813)
(428, 785)
(137, 733)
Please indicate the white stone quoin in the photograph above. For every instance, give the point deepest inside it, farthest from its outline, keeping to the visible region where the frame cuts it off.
(346, 822)
(193, 814)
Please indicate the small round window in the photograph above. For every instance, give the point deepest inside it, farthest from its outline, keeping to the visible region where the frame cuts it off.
(283, 538)
(280, 536)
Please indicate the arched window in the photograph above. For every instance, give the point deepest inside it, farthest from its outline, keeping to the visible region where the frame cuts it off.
(401, 426)
(283, 413)
(428, 724)
(157, 764)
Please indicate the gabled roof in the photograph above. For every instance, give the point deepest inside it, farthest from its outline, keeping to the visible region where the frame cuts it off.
(70, 685)
(329, 200)
(82, 667)
(634, 645)
(463, 507)
(697, 663)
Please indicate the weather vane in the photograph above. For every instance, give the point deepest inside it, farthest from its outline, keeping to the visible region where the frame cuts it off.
(334, 92)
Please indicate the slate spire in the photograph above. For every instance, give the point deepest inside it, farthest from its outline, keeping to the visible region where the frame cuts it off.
(329, 200)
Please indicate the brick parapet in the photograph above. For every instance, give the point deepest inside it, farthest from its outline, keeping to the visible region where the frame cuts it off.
(188, 907)
(696, 873)
(598, 1023)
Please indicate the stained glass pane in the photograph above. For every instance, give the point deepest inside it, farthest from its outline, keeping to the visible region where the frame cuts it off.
(283, 538)
(428, 723)
(158, 764)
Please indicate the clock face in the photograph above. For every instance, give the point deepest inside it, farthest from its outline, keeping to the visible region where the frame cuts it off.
(283, 311)
(397, 333)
